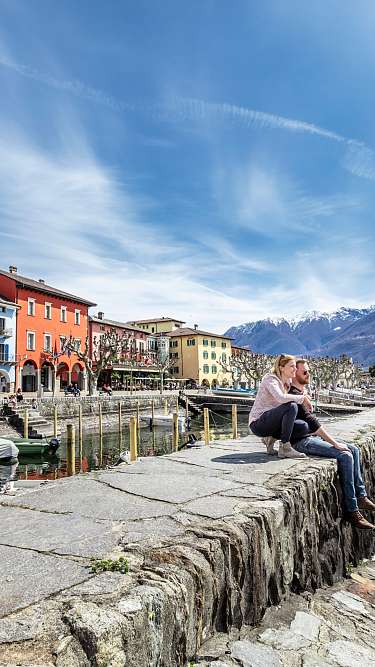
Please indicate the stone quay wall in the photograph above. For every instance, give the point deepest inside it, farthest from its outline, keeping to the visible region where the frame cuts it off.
(219, 534)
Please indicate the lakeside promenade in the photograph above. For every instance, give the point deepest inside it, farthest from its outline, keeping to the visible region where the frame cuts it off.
(212, 536)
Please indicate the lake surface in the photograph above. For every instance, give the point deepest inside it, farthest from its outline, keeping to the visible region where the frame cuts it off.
(98, 455)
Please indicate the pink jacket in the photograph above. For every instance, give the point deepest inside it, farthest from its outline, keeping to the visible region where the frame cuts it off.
(271, 393)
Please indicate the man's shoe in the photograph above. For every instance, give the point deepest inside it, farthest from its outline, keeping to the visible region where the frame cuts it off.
(286, 451)
(359, 521)
(365, 503)
(269, 441)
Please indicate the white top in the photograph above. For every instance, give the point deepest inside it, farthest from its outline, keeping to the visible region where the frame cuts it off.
(271, 393)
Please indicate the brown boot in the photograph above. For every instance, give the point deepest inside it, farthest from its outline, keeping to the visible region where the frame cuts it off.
(359, 521)
(365, 503)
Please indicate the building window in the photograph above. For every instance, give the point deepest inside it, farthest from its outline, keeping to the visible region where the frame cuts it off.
(213, 355)
(205, 355)
(31, 306)
(190, 342)
(223, 344)
(77, 344)
(213, 369)
(77, 317)
(176, 369)
(2, 324)
(205, 341)
(30, 341)
(174, 343)
(224, 357)
(47, 342)
(2, 309)
(63, 317)
(62, 343)
(213, 343)
(206, 368)
(48, 311)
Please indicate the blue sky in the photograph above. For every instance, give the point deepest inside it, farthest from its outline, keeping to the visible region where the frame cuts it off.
(208, 160)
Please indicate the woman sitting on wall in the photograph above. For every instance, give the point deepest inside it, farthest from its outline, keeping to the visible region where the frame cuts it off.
(273, 415)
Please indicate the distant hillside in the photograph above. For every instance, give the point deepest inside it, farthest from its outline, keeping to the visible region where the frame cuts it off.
(348, 331)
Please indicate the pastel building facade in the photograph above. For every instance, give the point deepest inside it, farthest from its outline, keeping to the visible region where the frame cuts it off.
(158, 325)
(8, 360)
(196, 355)
(46, 317)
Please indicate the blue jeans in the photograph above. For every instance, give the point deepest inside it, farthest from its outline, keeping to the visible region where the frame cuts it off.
(348, 463)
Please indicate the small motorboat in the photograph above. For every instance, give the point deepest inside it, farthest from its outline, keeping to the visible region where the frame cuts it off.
(164, 420)
(226, 391)
(31, 447)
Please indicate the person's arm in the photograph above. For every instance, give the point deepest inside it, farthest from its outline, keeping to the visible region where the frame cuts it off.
(328, 438)
(273, 386)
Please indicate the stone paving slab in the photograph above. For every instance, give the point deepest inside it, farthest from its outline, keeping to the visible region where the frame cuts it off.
(59, 533)
(28, 576)
(172, 487)
(86, 497)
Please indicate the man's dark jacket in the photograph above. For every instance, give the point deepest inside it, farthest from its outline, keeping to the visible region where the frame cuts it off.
(304, 414)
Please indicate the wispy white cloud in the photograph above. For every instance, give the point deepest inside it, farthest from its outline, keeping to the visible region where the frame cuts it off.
(358, 158)
(268, 201)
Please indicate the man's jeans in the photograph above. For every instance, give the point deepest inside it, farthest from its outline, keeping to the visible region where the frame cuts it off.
(348, 463)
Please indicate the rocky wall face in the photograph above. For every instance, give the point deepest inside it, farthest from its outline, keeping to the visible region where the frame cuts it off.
(216, 575)
(68, 406)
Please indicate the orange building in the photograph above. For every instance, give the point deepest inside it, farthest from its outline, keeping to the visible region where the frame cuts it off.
(45, 318)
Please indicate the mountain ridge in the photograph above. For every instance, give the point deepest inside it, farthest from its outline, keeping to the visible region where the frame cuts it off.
(348, 331)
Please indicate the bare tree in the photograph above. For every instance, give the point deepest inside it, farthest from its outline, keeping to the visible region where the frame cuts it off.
(249, 365)
(107, 349)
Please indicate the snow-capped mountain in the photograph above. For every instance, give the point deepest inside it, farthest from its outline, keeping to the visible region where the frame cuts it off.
(348, 331)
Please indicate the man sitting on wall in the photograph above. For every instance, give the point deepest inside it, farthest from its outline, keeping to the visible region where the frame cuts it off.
(320, 443)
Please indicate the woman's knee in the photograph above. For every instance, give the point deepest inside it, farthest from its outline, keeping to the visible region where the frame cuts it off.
(292, 407)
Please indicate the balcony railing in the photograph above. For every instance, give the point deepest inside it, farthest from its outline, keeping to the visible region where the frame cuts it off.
(6, 333)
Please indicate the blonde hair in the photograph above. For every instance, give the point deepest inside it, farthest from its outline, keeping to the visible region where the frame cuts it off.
(281, 361)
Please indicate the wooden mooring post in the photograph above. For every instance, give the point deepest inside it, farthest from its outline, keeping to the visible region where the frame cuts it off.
(55, 421)
(206, 425)
(234, 422)
(152, 412)
(100, 434)
(133, 432)
(71, 449)
(175, 431)
(26, 423)
(120, 426)
(186, 408)
(80, 435)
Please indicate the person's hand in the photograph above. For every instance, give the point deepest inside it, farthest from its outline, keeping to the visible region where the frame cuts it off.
(307, 403)
(341, 447)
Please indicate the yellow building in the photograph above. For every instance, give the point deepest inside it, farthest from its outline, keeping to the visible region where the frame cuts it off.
(196, 355)
(158, 325)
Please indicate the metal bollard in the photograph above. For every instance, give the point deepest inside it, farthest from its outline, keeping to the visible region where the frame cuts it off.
(71, 449)
(133, 439)
(206, 423)
(175, 431)
(26, 424)
(234, 422)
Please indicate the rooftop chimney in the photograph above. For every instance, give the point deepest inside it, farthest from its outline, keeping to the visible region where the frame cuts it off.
(12, 269)
(195, 326)
(100, 315)
(41, 280)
